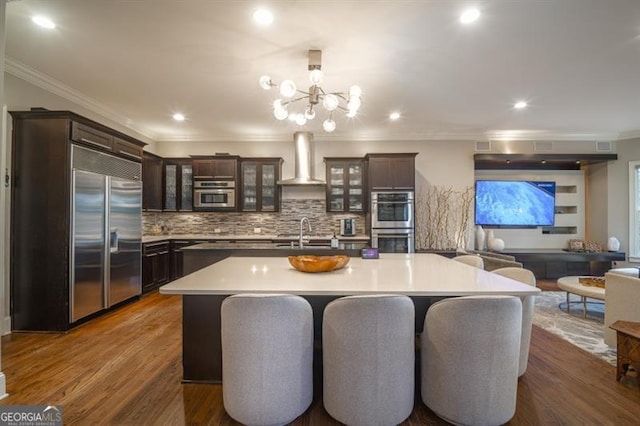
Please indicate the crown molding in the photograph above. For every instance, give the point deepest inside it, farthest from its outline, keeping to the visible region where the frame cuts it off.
(412, 137)
(28, 74)
(633, 134)
(43, 81)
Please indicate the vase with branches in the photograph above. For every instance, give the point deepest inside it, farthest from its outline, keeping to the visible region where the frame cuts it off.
(443, 217)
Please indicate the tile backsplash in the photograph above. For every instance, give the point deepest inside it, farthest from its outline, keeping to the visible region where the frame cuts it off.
(285, 222)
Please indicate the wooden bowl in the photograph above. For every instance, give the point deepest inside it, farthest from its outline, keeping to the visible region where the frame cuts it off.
(342, 261)
(309, 263)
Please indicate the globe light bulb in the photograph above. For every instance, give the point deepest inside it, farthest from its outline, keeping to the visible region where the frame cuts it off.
(354, 104)
(316, 77)
(310, 113)
(330, 102)
(265, 82)
(280, 113)
(301, 120)
(351, 113)
(293, 116)
(329, 125)
(277, 104)
(288, 88)
(355, 92)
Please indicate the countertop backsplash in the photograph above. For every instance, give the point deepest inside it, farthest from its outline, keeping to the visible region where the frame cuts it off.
(285, 222)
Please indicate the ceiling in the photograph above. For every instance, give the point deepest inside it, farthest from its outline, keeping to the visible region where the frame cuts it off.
(576, 63)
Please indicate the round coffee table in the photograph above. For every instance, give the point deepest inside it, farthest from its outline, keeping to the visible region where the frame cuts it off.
(572, 285)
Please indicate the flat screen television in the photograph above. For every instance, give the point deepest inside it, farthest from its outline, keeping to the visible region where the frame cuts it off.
(515, 203)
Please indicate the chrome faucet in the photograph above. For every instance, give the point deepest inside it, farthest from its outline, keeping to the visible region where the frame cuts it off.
(301, 240)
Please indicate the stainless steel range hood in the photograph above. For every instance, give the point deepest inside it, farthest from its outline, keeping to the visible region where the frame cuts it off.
(303, 161)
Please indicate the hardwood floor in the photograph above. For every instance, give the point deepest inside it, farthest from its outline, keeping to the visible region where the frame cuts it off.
(125, 369)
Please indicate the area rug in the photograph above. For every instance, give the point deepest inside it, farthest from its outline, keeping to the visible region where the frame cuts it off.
(551, 314)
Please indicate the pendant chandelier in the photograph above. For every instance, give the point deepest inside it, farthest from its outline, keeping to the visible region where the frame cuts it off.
(331, 101)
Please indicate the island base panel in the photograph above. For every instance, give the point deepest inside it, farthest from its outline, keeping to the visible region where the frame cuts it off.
(201, 339)
(201, 333)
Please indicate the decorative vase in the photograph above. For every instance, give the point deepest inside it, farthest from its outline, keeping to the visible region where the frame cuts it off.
(480, 238)
(493, 243)
(613, 244)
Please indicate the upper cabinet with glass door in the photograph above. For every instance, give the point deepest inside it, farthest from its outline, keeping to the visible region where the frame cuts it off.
(345, 185)
(178, 184)
(259, 190)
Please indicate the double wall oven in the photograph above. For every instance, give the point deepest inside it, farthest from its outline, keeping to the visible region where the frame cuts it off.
(392, 221)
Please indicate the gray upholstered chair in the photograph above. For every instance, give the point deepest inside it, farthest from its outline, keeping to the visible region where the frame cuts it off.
(524, 276)
(267, 358)
(469, 359)
(470, 259)
(368, 347)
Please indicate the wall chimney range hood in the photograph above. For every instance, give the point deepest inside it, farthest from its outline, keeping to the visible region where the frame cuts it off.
(304, 161)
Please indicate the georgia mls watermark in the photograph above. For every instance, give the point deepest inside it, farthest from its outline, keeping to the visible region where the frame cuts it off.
(31, 415)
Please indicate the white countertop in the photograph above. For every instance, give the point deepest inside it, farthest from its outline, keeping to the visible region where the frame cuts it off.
(420, 274)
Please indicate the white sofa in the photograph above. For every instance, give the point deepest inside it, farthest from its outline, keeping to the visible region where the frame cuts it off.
(622, 299)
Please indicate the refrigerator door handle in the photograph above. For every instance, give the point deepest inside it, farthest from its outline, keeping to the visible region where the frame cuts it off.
(114, 241)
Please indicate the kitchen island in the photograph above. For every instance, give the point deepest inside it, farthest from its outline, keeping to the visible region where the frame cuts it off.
(426, 278)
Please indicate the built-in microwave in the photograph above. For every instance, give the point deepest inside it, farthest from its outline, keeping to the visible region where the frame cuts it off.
(214, 194)
(392, 209)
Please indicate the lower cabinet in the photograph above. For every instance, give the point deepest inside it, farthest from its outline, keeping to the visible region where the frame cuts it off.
(177, 257)
(553, 264)
(156, 265)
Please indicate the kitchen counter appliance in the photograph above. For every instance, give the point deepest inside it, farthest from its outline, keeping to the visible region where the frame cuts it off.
(347, 227)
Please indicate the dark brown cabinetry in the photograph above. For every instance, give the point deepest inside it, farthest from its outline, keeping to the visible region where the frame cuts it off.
(156, 265)
(178, 184)
(151, 182)
(215, 168)
(127, 149)
(259, 191)
(391, 171)
(98, 137)
(41, 224)
(345, 184)
(177, 257)
(553, 264)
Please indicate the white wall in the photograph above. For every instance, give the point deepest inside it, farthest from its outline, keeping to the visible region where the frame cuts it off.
(21, 95)
(616, 197)
(596, 215)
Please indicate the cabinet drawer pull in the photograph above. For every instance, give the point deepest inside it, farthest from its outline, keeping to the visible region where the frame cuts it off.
(163, 252)
(404, 187)
(155, 244)
(152, 255)
(382, 187)
(128, 154)
(95, 143)
(202, 176)
(223, 177)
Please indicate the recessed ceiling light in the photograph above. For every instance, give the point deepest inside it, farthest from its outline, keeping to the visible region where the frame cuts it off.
(520, 105)
(394, 116)
(263, 17)
(178, 117)
(44, 22)
(469, 16)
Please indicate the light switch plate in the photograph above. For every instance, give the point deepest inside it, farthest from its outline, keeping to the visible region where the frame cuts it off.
(216, 231)
(257, 230)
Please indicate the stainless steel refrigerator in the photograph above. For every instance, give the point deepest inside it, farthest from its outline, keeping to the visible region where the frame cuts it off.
(106, 231)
